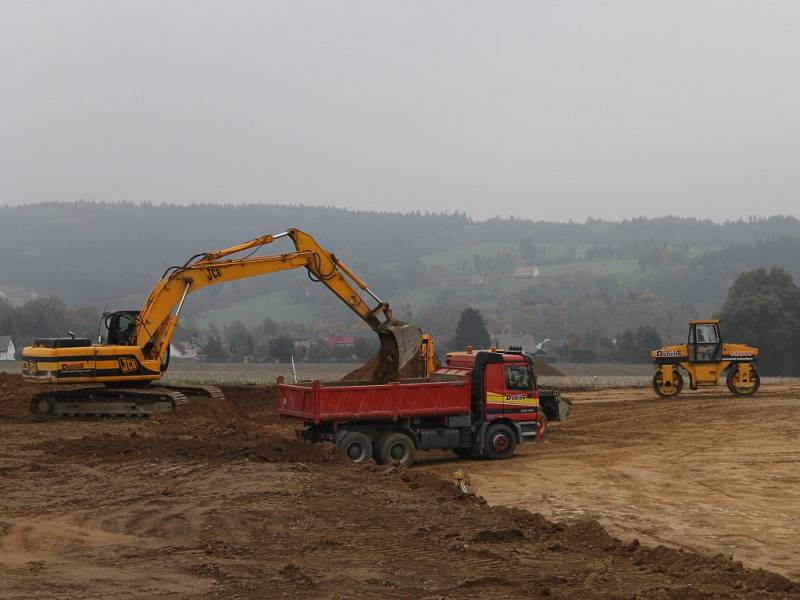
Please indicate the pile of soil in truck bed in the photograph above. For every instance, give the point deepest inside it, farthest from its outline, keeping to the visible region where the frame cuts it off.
(222, 501)
(384, 367)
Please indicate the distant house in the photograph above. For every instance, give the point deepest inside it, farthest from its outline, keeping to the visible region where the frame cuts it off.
(7, 349)
(337, 341)
(526, 272)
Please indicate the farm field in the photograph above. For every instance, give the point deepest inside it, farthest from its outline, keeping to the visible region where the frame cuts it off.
(453, 258)
(548, 251)
(278, 306)
(253, 310)
(254, 373)
(616, 266)
(190, 371)
(221, 501)
(576, 375)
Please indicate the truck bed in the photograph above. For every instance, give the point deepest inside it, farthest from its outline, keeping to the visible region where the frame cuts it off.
(316, 402)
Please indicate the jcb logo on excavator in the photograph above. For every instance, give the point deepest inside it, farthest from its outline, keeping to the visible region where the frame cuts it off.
(213, 273)
(128, 365)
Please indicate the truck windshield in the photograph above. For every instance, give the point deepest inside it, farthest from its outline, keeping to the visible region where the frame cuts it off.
(518, 377)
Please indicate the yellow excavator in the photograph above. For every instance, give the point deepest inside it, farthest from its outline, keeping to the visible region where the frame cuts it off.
(136, 349)
(705, 358)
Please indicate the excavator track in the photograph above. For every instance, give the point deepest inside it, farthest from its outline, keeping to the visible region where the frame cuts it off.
(206, 391)
(115, 402)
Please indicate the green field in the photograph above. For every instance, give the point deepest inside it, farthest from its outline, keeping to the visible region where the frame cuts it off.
(615, 266)
(452, 259)
(275, 305)
(279, 307)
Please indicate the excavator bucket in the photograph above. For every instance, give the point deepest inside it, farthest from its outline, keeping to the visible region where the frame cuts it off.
(408, 339)
(399, 356)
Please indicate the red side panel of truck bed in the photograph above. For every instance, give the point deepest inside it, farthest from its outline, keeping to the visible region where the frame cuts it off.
(316, 403)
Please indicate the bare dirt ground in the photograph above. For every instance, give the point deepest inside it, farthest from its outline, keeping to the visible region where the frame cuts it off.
(708, 471)
(220, 501)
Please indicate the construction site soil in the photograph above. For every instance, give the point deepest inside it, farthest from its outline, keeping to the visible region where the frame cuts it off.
(221, 500)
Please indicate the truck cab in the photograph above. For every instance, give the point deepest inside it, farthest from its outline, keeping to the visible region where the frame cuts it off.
(504, 388)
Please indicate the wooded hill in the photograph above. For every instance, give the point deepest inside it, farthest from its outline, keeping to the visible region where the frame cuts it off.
(432, 265)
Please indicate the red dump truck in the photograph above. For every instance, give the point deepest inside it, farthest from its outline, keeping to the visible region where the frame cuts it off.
(480, 403)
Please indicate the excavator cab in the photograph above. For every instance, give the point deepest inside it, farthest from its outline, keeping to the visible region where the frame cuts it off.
(704, 343)
(120, 327)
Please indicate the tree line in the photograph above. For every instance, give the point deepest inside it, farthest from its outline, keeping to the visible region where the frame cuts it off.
(762, 309)
(46, 317)
(273, 342)
(90, 253)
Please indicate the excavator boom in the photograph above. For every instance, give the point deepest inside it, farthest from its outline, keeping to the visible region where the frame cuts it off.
(157, 324)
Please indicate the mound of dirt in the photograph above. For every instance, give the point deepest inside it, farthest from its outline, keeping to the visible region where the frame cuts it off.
(384, 366)
(204, 413)
(222, 443)
(253, 400)
(243, 425)
(15, 395)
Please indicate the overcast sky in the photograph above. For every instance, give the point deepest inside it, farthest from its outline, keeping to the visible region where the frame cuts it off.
(547, 110)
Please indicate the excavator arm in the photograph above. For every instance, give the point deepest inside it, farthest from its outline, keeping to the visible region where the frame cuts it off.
(157, 322)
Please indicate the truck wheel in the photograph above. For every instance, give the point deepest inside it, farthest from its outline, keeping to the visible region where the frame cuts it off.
(395, 449)
(500, 442)
(732, 381)
(355, 446)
